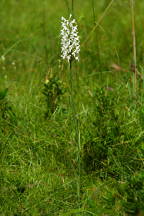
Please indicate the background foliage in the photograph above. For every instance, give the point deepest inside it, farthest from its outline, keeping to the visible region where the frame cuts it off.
(38, 160)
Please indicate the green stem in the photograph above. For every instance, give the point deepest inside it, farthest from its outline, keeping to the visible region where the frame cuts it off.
(134, 44)
(67, 5)
(73, 7)
(45, 33)
(75, 126)
(93, 9)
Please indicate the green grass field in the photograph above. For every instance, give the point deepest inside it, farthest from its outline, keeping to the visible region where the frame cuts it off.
(74, 145)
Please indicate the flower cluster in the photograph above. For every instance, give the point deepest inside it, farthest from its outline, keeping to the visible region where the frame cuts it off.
(70, 44)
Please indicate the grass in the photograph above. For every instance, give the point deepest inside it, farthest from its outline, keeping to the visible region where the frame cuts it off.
(38, 162)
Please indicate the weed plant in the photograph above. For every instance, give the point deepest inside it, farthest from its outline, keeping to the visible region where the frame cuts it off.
(53, 91)
(7, 115)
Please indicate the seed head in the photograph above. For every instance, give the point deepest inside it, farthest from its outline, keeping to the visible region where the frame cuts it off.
(70, 44)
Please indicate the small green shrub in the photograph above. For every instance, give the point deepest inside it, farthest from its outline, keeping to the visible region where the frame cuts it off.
(132, 192)
(113, 146)
(105, 129)
(7, 115)
(53, 91)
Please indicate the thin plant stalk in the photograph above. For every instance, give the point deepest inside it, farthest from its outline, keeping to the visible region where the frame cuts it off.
(75, 125)
(97, 36)
(67, 5)
(72, 7)
(134, 66)
(93, 10)
(97, 24)
(44, 32)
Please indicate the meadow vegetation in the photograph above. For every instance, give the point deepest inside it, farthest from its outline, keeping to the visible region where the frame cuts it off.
(43, 172)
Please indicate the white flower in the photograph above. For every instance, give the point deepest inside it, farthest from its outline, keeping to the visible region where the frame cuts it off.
(70, 44)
